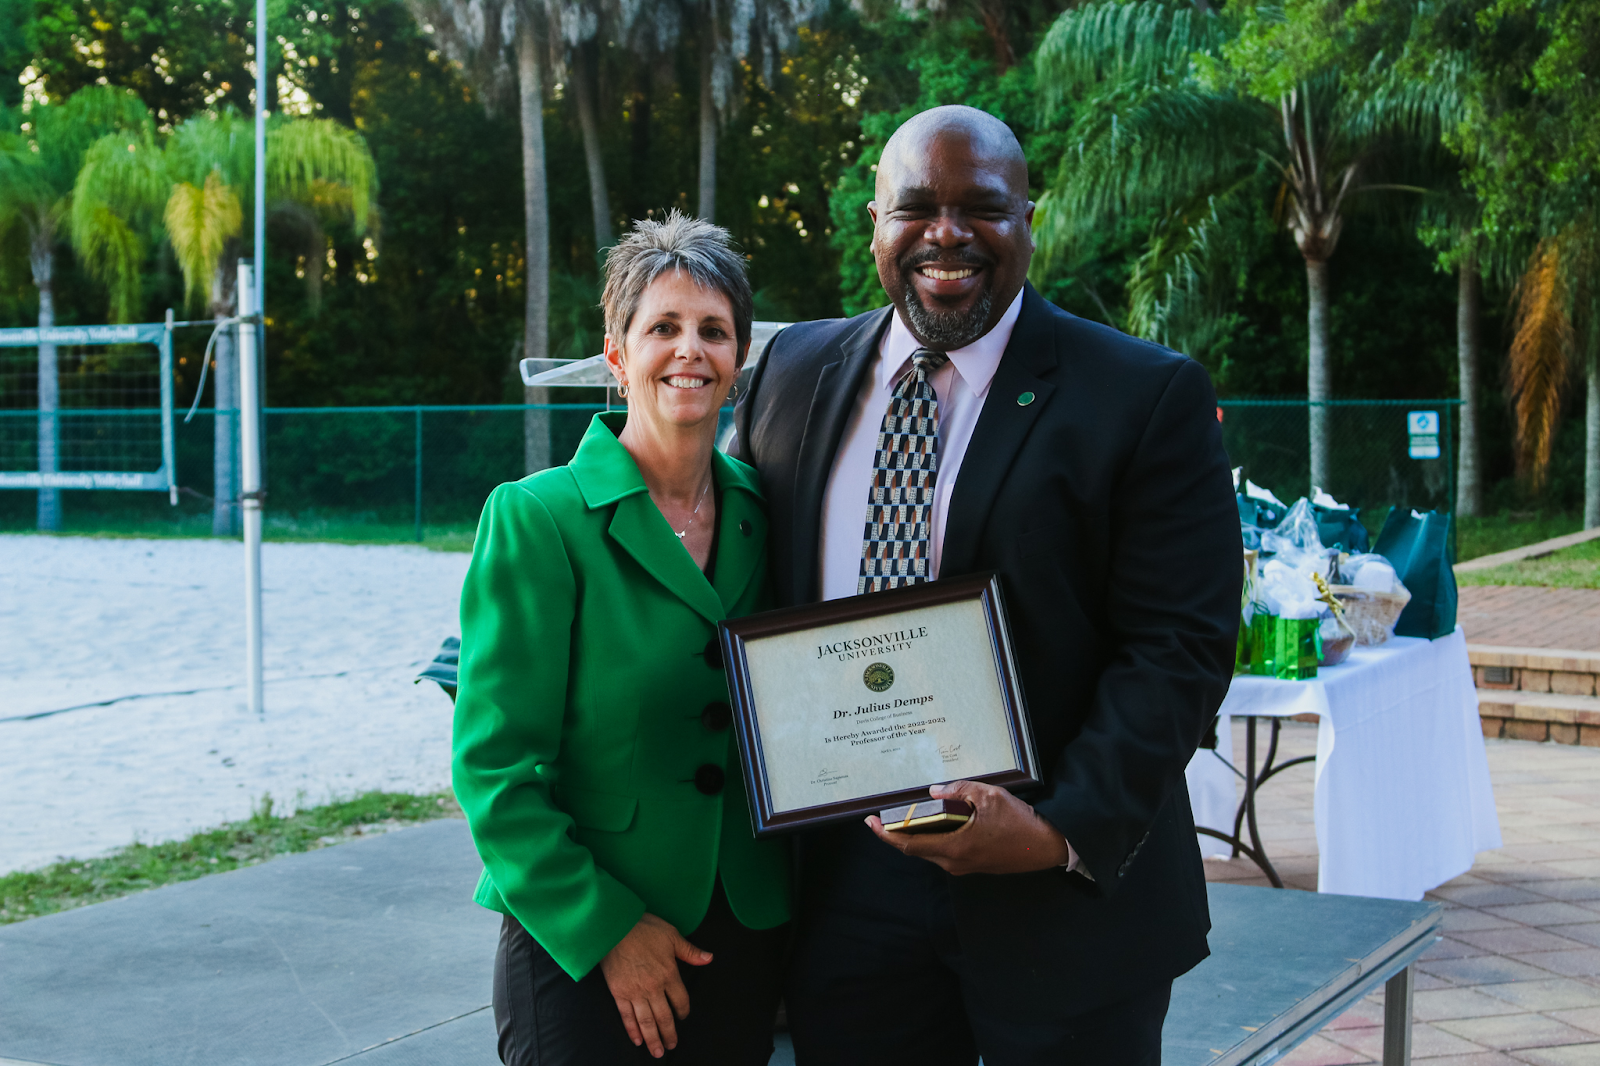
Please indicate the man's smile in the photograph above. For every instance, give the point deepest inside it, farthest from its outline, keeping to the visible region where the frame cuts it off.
(945, 281)
(946, 274)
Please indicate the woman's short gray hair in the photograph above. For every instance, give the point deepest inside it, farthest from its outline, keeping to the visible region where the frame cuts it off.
(698, 248)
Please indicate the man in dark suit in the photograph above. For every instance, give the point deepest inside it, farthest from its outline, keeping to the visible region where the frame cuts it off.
(1085, 467)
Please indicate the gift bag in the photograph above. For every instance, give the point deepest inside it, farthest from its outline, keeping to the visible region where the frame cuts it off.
(1263, 514)
(1341, 527)
(1258, 507)
(1285, 648)
(1421, 549)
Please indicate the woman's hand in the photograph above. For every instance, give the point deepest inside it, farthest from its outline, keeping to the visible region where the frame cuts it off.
(642, 973)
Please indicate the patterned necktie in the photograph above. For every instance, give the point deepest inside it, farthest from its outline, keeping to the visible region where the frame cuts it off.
(895, 549)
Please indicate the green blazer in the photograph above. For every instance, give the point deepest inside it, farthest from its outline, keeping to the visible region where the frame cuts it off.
(581, 720)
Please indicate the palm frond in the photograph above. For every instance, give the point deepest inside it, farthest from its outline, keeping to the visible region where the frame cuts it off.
(1170, 265)
(1393, 100)
(39, 166)
(1107, 42)
(221, 143)
(113, 252)
(307, 156)
(1151, 152)
(1537, 365)
(1187, 273)
(123, 183)
(200, 221)
(64, 132)
(25, 187)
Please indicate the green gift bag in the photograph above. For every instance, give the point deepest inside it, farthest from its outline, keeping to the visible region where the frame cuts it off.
(1342, 529)
(1263, 514)
(1421, 548)
(1285, 648)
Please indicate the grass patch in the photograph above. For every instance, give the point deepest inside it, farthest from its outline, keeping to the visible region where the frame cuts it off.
(455, 537)
(264, 835)
(1511, 529)
(1570, 568)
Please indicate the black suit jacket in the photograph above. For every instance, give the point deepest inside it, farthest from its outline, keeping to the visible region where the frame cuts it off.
(1106, 506)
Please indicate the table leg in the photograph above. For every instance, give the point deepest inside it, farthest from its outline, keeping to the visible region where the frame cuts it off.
(1269, 767)
(1248, 804)
(1397, 1019)
(1254, 777)
(1247, 811)
(1250, 789)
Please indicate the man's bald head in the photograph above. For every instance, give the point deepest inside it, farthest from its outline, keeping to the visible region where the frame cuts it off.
(952, 231)
(984, 134)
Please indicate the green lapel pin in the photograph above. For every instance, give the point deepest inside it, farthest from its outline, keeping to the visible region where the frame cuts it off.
(1025, 399)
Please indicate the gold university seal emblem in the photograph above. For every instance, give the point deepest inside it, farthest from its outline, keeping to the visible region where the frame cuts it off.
(879, 676)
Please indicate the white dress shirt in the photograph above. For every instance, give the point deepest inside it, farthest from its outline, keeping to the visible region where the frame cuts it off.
(961, 386)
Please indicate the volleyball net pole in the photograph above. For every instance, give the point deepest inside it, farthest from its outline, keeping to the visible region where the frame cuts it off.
(250, 479)
(252, 291)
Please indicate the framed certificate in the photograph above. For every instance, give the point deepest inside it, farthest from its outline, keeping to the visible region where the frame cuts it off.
(848, 707)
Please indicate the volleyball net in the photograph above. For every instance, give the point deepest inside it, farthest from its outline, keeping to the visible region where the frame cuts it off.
(87, 407)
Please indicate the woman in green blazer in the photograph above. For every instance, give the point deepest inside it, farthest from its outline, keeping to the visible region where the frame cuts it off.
(592, 750)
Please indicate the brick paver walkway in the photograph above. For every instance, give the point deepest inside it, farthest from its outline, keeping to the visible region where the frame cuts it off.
(1516, 980)
(1528, 617)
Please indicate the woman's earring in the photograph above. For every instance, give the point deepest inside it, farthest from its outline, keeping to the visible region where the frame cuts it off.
(622, 389)
(733, 392)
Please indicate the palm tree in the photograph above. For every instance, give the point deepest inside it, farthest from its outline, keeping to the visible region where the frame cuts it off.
(199, 182)
(1469, 347)
(1158, 132)
(716, 75)
(1436, 85)
(724, 34)
(478, 37)
(1451, 221)
(730, 33)
(40, 153)
(1558, 332)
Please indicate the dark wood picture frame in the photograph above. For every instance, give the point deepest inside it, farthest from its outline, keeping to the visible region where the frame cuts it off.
(735, 632)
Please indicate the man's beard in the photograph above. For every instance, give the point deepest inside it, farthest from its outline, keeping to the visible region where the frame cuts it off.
(944, 330)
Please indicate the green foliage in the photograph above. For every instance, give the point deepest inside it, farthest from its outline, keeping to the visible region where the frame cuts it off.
(431, 310)
(113, 222)
(42, 149)
(263, 836)
(1171, 234)
(1134, 73)
(949, 64)
(13, 50)
(1531, 131)
(180, 57)
(199, 180)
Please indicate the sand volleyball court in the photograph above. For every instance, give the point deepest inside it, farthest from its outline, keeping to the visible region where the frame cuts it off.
(122, 705)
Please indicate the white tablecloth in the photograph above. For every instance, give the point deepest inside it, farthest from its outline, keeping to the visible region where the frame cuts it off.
(1403, 800)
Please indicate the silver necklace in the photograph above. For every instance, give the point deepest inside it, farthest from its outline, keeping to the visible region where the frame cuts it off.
(696, 512)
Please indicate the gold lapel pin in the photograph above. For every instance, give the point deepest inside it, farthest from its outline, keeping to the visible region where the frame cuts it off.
(1025, 399)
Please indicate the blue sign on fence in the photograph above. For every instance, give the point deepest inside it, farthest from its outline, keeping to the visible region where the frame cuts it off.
(1423, 429)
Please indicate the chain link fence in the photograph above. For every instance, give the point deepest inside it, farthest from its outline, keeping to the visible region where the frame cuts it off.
(1370, 446)
(422, 473)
